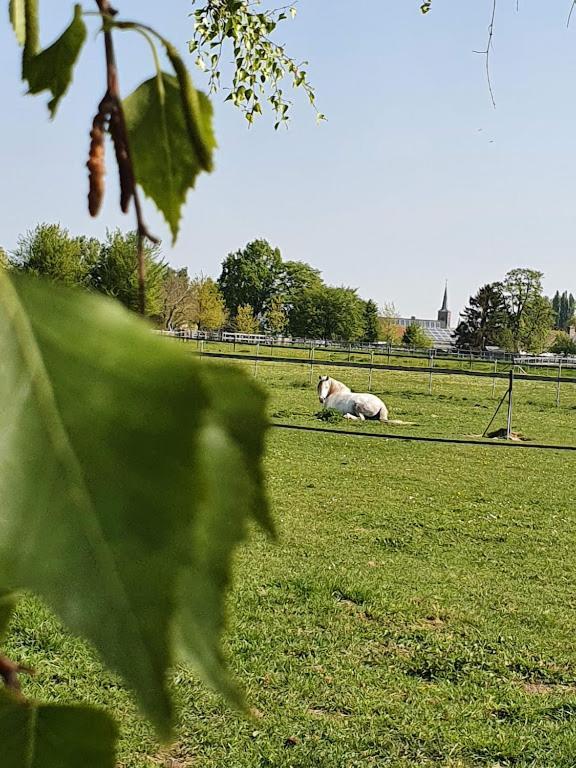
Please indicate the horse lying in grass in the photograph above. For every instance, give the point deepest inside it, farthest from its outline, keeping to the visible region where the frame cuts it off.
(352, 405)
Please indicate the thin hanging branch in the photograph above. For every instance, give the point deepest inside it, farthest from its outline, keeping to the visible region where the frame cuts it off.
(486, 53)
(9, 672)
(111, 111)
(570, 13)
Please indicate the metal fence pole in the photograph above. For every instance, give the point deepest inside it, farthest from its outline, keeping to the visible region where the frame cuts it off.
(558, 384)
(494, 378)
(311, 361)
(509, 419)
(431, 363)
(370, 374)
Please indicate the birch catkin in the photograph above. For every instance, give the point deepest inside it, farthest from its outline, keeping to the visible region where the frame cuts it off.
(96, 163)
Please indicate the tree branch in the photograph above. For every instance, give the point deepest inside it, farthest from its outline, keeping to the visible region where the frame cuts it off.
(9, 671)
(119, 133)
(488, 50)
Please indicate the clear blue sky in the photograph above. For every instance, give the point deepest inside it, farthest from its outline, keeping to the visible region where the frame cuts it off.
(414, 179)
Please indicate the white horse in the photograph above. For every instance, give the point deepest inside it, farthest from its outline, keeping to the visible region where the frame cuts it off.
(353, 405)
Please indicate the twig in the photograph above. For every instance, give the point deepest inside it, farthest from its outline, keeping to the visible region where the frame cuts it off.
(119, 134)
(9, 671)
(570, 14)
(486, 53)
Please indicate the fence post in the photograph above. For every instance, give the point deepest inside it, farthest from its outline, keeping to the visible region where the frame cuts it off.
(509, 419)
(558, 384)
(494, 377)
(311, 361)
(256, 359)
(431, 364)
(349, 352)
(370, 374)
(389, 348)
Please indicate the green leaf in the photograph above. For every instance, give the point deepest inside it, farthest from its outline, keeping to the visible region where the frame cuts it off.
(48, 736)
(155, 117)
(51, 69)
(17, 10)
(230, 449)
(105, 499)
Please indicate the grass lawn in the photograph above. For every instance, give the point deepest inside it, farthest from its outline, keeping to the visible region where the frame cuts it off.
(418, 608)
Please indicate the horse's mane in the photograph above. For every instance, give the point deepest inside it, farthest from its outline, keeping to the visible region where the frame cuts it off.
(337, 386)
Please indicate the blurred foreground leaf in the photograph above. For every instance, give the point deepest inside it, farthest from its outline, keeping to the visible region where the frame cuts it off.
(50, 736)
(109, 511)
(51, 69)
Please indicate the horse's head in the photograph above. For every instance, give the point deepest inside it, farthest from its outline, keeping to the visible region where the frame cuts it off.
(324, 386)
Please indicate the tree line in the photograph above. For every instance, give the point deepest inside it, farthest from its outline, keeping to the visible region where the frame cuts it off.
(513, 314)
(259, 292)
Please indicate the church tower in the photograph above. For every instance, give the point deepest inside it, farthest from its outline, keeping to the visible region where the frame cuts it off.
(444, 314)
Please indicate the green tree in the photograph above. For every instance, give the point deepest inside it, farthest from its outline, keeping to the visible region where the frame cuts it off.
(529, 319)
(207, 305)
(563, 344)
(563, 306)
(484, 320)
(371, 321)
(296, 277)
(329, 313)
(390, 331)
(4, 261)
(276, 319)
(116, 272)
(414, 336)
(245, 322)
(251, 276)
(176, 296)
(50, 251)
(536, 325)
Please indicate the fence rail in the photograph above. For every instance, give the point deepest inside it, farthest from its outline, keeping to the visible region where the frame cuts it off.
(376, 349)
(431, 370)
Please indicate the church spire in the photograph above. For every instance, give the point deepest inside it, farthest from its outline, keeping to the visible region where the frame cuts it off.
(444, 307)
(444, 314)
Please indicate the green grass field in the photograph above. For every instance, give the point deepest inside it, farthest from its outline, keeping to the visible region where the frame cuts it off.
(418, 608)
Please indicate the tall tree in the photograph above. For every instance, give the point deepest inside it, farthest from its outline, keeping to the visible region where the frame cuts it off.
(276, 319)
(207, 305)
(251, 276)
(298, 276)
(563, 309)
(556, 309)
(528, 318)
(484, 320)
(414, 336)
(245, 322)
(371, 321)
(116, 272)
(50, 251)
(536, 325)
(328, 313)
(176, 299)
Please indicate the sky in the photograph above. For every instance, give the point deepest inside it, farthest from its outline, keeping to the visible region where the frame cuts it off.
(413, 180)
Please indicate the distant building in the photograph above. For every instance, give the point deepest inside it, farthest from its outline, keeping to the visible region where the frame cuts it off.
(437, 330)
(442, 321)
